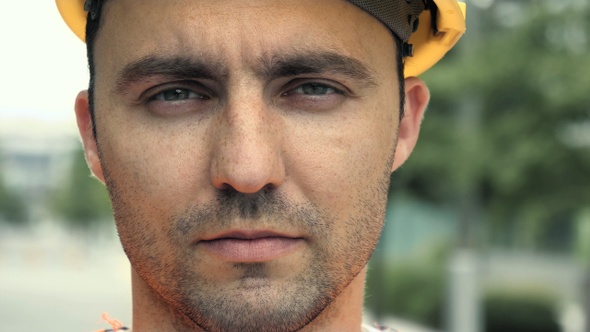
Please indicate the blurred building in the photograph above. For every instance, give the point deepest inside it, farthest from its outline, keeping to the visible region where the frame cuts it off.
(35, 153)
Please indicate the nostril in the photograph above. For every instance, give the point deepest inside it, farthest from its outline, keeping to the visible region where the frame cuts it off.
(228, 188)
(269, 187)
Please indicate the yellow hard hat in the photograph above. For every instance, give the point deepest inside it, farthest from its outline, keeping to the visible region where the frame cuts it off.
(429, 28)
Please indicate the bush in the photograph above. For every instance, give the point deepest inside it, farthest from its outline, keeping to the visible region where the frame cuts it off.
(520, 309)
(411, 291)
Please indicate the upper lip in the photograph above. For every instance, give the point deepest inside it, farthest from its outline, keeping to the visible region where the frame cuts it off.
(247, 235)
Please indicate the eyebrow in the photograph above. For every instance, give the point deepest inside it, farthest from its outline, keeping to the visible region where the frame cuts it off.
(178, 67)
(269, 68)
(301, 63)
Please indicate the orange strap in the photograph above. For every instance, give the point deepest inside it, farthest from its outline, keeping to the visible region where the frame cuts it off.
(115, 324)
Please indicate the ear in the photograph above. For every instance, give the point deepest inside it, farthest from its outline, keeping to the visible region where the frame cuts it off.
(84, 121)
(417, 97)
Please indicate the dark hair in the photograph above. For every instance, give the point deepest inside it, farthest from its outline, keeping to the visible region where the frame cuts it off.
(93, 26)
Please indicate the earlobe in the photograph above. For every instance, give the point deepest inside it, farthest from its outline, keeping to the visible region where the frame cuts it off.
(417, 97)
(84, 120)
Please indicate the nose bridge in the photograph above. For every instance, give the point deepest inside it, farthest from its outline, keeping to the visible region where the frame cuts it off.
(248, 154)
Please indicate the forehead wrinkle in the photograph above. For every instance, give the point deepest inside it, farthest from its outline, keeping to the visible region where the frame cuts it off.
(314, 62)
(177, 67)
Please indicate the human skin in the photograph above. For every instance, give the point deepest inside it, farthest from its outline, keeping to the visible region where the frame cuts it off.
(284, 130)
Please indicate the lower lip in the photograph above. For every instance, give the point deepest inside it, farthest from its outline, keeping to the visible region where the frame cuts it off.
(251, 250)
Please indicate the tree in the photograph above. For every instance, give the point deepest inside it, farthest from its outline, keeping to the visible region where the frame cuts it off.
(521, 156)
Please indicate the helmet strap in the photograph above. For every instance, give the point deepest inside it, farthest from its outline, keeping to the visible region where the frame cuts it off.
(92, 7)
(407, 50)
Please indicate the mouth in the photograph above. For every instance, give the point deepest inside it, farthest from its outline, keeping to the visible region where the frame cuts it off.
(250, 246)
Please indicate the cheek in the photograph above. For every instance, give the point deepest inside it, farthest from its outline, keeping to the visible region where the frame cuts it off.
(339, 162)
(154, 167)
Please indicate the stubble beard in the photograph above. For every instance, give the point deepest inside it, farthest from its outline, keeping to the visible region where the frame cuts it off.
(254, 302)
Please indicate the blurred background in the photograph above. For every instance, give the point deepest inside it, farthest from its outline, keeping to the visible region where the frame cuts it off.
(488, 226)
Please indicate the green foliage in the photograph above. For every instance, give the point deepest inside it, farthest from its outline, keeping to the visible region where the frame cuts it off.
(582, 232)
(520, 309)
(502, 122)
(12, 207)
(83, 200)
(411, 291)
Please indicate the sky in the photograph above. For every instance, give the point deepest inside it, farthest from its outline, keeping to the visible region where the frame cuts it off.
(42, 69)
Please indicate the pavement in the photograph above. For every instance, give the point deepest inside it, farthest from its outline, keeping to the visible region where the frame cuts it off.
(55, 280)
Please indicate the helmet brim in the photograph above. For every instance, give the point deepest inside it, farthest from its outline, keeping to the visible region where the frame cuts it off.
(428, 47)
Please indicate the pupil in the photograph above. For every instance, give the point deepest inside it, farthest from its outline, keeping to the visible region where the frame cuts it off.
(176, 94)
(314, 88)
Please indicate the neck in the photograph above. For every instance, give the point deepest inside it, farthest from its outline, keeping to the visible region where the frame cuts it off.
(152, 314)
(345, 312)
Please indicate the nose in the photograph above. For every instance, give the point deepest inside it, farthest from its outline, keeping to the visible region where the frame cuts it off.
(247, 155)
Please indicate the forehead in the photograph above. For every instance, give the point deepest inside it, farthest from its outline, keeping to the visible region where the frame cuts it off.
(237, 31)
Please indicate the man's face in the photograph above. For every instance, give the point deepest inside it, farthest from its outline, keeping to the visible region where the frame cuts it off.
(247, 148)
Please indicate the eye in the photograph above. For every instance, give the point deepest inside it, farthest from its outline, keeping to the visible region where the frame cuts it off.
(179, 98)
(313, 95)
(178, 94)
(313, 89)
